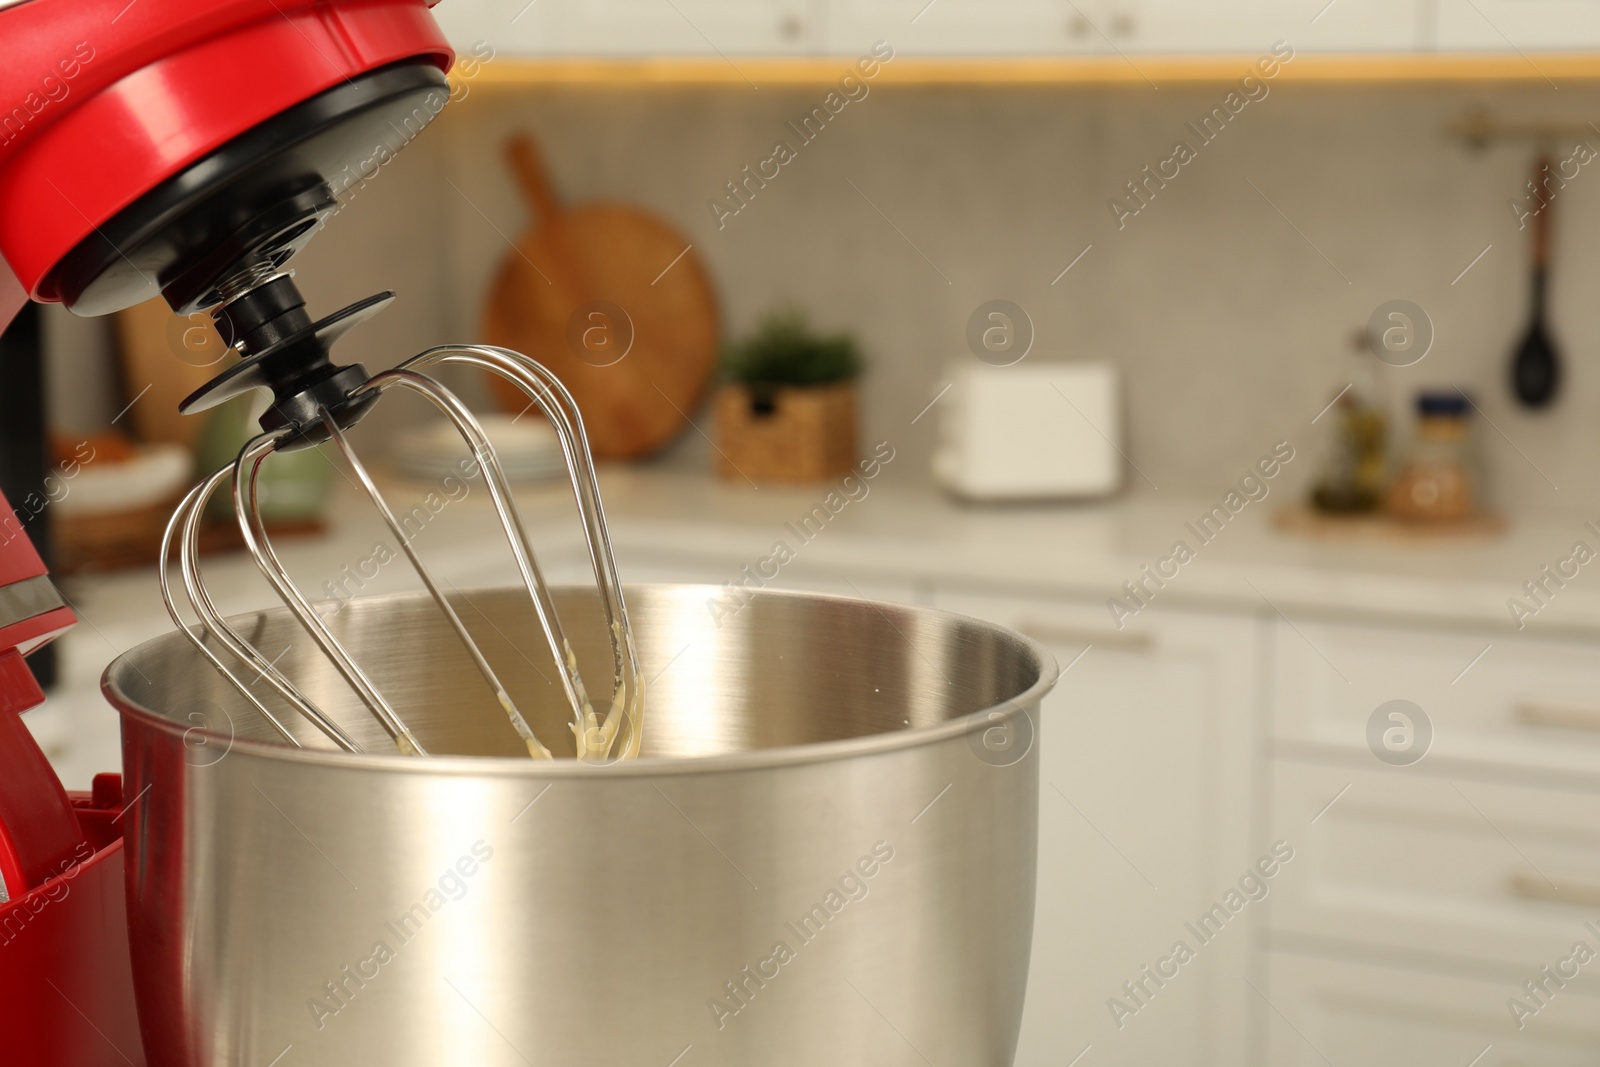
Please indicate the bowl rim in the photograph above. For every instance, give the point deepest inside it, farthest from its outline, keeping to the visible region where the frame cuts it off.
(1024, 703)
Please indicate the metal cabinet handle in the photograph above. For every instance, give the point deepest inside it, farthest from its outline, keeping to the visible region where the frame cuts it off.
(1055, 634)
(1534, 887)
(1554, 715)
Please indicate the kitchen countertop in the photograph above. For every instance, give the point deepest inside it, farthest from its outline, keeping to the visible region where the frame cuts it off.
(1089, 550)
(895, 532)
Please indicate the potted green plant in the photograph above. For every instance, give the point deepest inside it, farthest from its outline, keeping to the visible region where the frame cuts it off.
(787, 410)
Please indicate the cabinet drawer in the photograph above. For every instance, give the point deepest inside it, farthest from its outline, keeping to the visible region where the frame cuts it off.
(1438, 867)
(1491, 698)
(1335, 1011)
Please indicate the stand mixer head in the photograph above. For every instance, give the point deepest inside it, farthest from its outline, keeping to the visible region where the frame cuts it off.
(219, 180)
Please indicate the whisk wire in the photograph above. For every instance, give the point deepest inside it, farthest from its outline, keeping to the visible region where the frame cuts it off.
(246, 504)
(597, 738)
(187, 519)
(194, 633)
(513, 713)
(510, 518)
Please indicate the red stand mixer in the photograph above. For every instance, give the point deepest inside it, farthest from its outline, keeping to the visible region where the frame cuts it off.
(186, 148)
(190, 149)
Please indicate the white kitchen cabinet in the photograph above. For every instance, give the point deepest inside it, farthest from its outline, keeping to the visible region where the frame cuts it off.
(635, 27)
(509, 27)
(1431, 889)
(683, 27)
(1325, 1011)
(846, 28)
(1252, 27)
(1145, 822)
(1362, 25)
(1132, 27)
(977, 27)
(1513, 703)
(1401, 862)
(1517, 25)
(1245, 27)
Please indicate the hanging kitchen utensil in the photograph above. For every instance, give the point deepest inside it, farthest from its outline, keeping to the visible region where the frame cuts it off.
(615, 303)
(1536, 367)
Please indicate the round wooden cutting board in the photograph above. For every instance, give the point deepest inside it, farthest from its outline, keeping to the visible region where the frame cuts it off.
(616, 304)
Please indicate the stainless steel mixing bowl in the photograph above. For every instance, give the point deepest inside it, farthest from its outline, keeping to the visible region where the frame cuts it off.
(824, 857)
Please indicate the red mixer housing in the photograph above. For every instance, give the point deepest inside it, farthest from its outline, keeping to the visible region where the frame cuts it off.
(103, 100)
(182, 148)
(61, 872)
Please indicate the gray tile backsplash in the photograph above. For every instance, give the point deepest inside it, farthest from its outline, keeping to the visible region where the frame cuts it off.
(1228, 300)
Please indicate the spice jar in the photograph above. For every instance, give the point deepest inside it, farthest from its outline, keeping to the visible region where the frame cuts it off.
(1352, 478)
(1353, 469)
(1435, 482)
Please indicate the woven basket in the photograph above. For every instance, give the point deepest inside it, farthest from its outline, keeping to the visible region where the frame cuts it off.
(787, 433)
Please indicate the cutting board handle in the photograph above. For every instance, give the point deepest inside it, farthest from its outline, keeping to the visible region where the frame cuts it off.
(528, 165)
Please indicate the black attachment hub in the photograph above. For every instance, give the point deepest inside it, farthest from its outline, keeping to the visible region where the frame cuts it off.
(286, 352)
(216, 236)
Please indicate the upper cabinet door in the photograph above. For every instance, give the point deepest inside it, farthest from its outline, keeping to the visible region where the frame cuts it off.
(975, 27)
(509, 27)
(846, 28)
(635, 27)
(1250, 27)
(684, 27)
(1171, 27)
(1362, 25)
(1517, 25)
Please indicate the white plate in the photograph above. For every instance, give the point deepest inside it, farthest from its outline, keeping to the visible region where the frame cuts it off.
(527, 448)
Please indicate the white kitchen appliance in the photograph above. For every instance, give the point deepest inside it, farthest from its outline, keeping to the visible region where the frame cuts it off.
(1030, 431)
